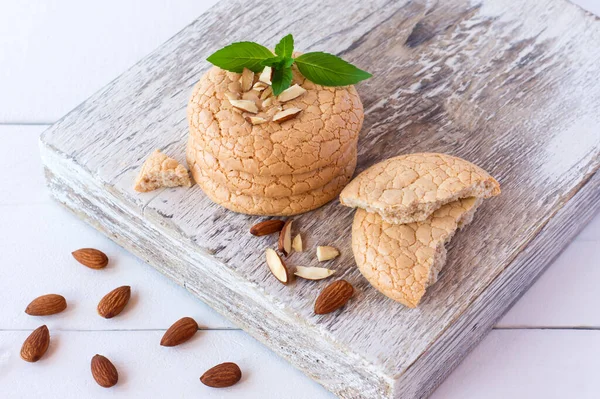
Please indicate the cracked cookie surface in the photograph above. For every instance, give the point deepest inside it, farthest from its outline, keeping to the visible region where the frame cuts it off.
(274, 206)
(409, 188)
(239, 182)
(161, 171)
(402, 260)
(321, 134)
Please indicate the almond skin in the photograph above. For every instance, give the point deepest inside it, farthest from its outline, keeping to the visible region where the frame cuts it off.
(36, 344)
(285, 238)
(222, 375)
(267, 227)
(333, 297)
(46, 305)
(90, 257)
(181, 331)
(104, 372)
(114, 302)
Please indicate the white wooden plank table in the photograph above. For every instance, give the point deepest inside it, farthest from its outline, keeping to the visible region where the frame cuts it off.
(56, 54)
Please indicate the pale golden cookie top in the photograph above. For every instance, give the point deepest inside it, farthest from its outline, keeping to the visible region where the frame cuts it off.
(410, 187)
(329, 123)
(402, 260)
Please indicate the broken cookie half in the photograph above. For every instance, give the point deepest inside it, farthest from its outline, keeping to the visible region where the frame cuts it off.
(409, 188)
(410, 206)
(161, 171)
(402, 260)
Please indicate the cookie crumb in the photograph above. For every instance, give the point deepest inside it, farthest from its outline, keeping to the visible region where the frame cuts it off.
(161, 171)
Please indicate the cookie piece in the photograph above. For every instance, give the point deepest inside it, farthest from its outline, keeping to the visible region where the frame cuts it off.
(161, 171)
(326, 128)
(279, 206)
(402, 260)
(269, 186)
(409, 188)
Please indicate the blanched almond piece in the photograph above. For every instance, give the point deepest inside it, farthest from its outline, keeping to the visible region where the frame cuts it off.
(259, 86)
(326, 253)
(245, 105)
(285, 238)
(297, 243)
(290, 93)
(256, 120)
(313, 273)
(277, 266)
(265, 75)
(266, 93)
(286, 114)
(247, 79)
(268, 102)
(232, 96)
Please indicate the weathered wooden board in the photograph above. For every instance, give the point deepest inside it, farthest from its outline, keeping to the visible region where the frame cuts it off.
(510, 86)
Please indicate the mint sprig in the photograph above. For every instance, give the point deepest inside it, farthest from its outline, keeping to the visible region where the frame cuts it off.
(318, 67)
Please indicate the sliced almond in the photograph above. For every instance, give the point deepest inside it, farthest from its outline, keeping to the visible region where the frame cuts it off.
(326, 253)
(259, 86)
(290, 93)
(285, 238)
(277, 267)
(256, 120)
(247, 79)
(297, 243)
(313, 273)
(266, 93)
(286, 115)
(265, 75)
(232, 96)
(245, 105)
(267, 103)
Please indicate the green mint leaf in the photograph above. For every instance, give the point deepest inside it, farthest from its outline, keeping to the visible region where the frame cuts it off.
(238, 56)
(328, 70)
(272, 62)
(285, 47)
(287, 62)
(281, 79)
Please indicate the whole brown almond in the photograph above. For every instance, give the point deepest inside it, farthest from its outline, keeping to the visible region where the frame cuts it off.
(222, 375)
(333, 297)
(114, 302)
(104, 372)
(36, 344)
(90, 257)
(267, 227)
(46, 305)
(181, 331)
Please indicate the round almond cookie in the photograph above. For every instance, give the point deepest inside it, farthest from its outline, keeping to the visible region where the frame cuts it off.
(327, 125)
(409, 188)
(402, 260)
(273, 206)
(239, 182)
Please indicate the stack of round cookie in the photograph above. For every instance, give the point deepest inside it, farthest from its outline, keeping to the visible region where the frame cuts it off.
(260, 154)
